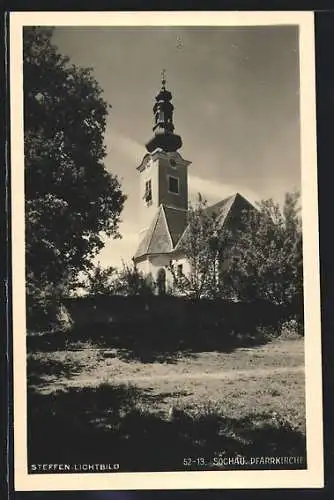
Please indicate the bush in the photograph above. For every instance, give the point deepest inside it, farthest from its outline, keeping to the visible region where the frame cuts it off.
(292, 329)
(47, 314)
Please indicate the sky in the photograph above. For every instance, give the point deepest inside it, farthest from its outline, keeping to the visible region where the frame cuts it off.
(236, 97)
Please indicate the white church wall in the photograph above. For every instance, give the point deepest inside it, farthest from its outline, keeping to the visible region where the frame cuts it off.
(154, 263)
(158, 261)
(164, 260)
(144, 266)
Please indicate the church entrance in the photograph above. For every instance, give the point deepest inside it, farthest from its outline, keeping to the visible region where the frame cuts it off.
(161, 281)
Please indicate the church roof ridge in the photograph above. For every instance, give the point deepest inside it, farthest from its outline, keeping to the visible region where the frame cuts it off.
(223, 201)
(224, 207)
(154, 240)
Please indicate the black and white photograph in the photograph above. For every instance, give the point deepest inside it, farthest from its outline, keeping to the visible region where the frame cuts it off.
(166, 311)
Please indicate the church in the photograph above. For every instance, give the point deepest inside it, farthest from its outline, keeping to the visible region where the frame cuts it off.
(163, 204)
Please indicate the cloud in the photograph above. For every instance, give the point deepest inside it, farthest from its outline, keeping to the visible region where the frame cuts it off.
(132, 149)
(214, 191)
(116, 252)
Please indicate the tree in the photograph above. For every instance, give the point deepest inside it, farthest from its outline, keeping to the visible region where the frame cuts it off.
(266, 260)
(204, 244)
(132, 282)
(257, 256)
(127, 281)
(71, 200)
(101, 281)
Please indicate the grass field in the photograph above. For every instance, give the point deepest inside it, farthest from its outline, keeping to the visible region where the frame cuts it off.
(250, 400)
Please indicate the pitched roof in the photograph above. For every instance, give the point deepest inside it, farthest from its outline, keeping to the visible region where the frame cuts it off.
(161, 241)
(157, 238)
(168, 230)
(176, 221)
(221, 209)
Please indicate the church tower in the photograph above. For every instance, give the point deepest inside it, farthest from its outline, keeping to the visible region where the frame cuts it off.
(163, 200)
(163, 183)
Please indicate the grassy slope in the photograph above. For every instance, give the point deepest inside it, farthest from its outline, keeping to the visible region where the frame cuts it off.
(269, 378)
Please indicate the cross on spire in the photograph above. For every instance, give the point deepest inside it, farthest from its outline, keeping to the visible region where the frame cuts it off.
(163, 77)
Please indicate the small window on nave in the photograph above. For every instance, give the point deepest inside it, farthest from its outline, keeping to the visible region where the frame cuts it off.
(179, 269)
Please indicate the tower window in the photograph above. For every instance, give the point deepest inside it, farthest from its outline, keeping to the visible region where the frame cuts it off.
(148, 192)
(173, 185)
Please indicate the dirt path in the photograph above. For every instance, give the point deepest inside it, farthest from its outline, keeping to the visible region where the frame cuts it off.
(179, 377)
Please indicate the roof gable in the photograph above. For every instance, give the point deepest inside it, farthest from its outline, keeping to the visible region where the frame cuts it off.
(169, 229)
(161, 241)
(157, 238)
(227, 211)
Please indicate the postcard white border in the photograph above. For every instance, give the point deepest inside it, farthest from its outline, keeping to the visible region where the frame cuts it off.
(312, 477)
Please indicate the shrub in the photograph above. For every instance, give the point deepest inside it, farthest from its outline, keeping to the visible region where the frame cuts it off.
(292, 329)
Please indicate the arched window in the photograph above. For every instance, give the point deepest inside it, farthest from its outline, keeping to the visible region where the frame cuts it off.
(161, 281)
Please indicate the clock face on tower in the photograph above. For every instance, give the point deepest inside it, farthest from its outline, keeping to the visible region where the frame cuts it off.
(173, 162)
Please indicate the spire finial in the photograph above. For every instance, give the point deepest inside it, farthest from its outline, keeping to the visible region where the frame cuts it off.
(163, 78)
(164, 136)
